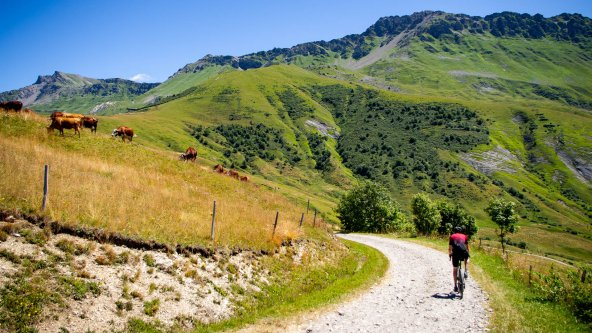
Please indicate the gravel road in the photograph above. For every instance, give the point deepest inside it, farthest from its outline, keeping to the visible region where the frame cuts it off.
(414, 296)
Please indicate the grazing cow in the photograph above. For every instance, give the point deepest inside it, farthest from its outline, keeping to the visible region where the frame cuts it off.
(90, 122)
(124, 132)
(65, 123)
(233, 174)
(61, 114)
(56, 114)
(189, 155)
(244, 178)
(219, 168)
(15, 106)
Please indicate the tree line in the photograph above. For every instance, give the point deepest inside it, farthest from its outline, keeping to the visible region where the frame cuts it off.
(369, 207)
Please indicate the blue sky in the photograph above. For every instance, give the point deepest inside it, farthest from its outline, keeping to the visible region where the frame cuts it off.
(152, 39)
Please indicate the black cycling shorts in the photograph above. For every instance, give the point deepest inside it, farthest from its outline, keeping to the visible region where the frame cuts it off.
(457, 258)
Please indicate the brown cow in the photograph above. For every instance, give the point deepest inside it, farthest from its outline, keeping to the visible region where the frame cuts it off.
(15, 106)
(219, 168)
(65, 123)
(124, 132)
(56, 114)
(90, 122)
(61, 114)
(189, 155)
(244, 178)
(233, 174)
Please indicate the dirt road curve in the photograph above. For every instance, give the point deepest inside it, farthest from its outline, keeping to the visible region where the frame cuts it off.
(414, 296)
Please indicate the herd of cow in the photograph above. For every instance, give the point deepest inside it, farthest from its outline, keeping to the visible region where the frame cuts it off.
(190, 154)
(230, 172)
(63, 120)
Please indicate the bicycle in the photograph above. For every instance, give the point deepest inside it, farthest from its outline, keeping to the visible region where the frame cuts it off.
(460, 279)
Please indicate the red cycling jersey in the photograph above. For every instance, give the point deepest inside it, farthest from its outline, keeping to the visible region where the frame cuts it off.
(458, 239)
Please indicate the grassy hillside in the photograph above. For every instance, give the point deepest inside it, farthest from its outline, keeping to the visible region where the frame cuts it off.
(485, 67)
(244, 99)
(256, 121)
(99, 182)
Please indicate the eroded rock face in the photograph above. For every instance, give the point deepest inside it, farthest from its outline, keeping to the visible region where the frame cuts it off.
(581, 168)
(489, 162)
(323, 128)
(580, 164)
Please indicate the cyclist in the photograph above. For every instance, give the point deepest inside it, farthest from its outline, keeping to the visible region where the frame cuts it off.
(458, 249)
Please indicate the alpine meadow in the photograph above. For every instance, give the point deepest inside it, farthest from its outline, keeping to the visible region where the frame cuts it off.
(457, 110)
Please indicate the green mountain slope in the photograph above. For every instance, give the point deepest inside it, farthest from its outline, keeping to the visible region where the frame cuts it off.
(310, 134)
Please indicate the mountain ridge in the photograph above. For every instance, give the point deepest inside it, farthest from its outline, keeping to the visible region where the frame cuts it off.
(48, 89)
(563, 27)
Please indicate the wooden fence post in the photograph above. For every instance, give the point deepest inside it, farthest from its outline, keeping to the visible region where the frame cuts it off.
(529, 275)
(45, 186)
(301, 220)
(277, 214)
(213, 221)
(307, 205)
(314, 221)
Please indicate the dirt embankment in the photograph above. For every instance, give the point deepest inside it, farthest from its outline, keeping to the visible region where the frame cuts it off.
(88, 280)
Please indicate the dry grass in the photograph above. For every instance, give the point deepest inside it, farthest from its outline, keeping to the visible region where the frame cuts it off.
(138, 192)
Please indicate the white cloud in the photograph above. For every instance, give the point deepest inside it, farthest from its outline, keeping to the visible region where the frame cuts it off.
(141, 78)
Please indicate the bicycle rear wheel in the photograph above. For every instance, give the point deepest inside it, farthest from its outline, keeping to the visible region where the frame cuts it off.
(460, 279)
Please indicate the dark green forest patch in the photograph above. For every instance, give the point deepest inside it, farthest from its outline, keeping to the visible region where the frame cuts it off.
(389, 141)
(320, 153)
(243, 144)
(294, 105)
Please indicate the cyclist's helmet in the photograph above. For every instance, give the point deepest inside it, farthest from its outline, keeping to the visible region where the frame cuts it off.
(458, 230)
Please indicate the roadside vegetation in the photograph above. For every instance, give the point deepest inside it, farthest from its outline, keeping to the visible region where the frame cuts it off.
(296, 291)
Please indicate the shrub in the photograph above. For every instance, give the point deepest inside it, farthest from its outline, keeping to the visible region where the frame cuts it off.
(75, 248)
(574, 290)
(78, 288)
(503, 214)
(13, 258)
(426, 216)
(369, 208)
(455, 216)
(121, 305)
(150, 307)
(149, 260)
(21, 303)
(35, 237)
(123, 258)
